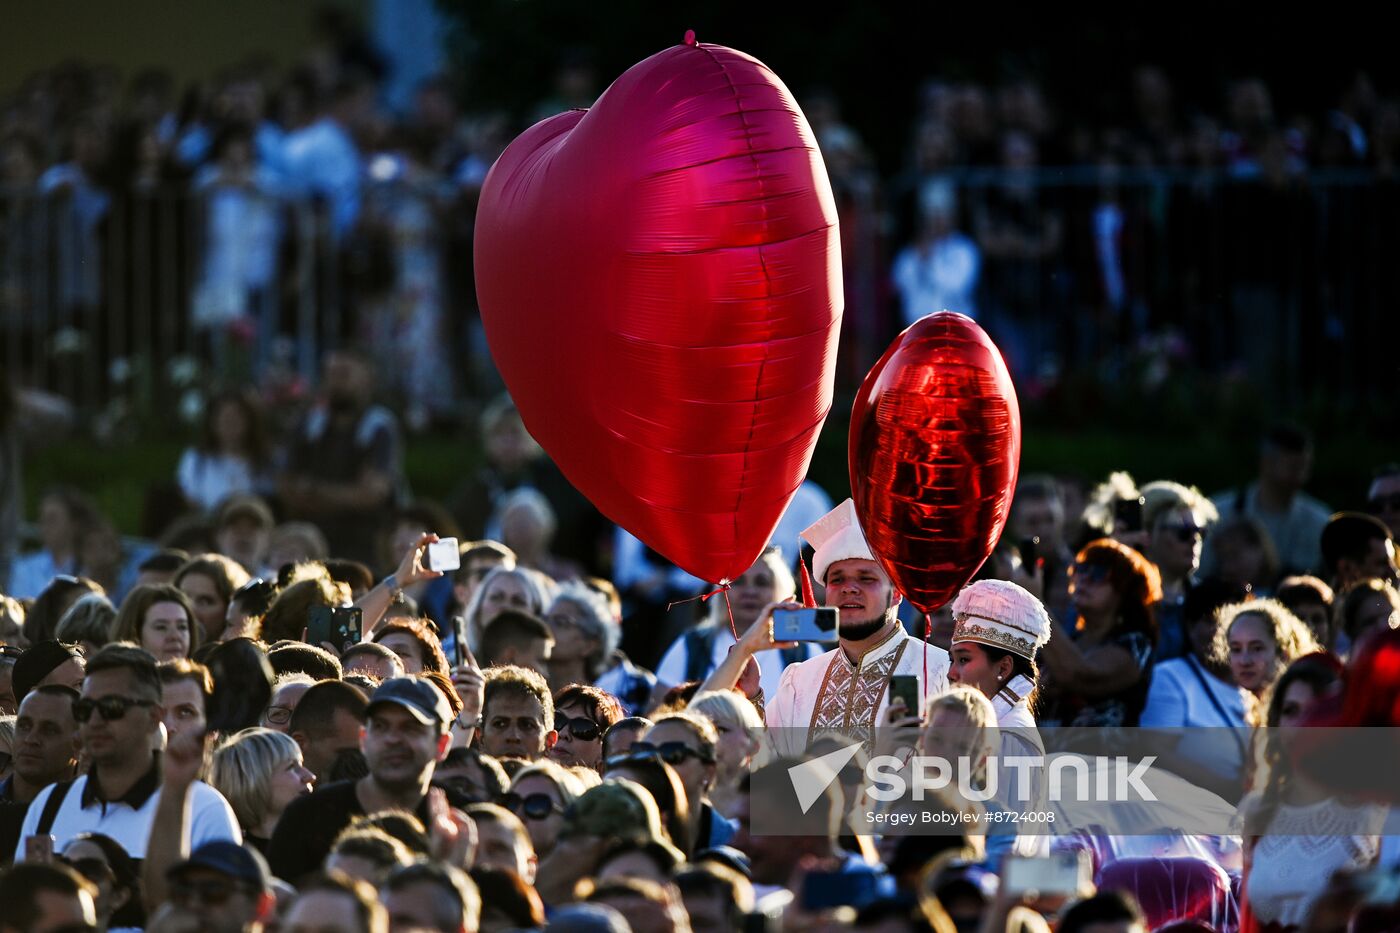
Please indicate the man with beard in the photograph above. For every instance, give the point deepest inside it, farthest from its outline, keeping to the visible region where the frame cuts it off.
(345, 471)
(404, 738)
(846, 689)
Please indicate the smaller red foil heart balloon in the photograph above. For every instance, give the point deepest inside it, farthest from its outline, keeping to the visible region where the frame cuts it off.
(660, 283)
(935, 447)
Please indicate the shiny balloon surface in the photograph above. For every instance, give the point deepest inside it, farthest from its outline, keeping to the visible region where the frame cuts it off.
(659, 278)
(935, 447)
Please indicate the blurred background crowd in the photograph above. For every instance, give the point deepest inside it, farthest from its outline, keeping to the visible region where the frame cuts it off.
(240, 355)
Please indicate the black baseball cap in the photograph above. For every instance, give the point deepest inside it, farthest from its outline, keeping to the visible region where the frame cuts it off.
(228, 858)
(415, 694)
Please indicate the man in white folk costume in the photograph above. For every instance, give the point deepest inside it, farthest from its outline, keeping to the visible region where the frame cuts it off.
(846, 689)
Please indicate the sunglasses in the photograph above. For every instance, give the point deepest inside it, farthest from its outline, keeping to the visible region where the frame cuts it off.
(533, 807)
(1186, 533)
(110, 708)
(673, 753)
(1092, 573)
(585, 730)
(1390, 503)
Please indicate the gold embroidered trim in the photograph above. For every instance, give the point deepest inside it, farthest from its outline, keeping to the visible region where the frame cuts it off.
(996, 637)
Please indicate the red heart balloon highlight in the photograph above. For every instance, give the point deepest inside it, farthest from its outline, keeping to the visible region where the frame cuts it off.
(659, 278)
(934, 450)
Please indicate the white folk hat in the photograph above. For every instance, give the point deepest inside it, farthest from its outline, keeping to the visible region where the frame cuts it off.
(836, 536)
(1002, 615)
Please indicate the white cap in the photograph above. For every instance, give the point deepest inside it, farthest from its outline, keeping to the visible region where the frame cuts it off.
(1001, 614)
(836, 536)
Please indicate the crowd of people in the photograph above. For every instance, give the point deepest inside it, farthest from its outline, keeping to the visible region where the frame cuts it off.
(269, 210)
(282, 716)
(273, 710)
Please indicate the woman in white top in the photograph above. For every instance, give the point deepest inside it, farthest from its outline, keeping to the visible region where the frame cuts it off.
(1198, 694)
(998, 627)
(1299, 833)
(231, 456)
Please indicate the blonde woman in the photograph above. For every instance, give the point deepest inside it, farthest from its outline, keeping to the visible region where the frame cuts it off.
(1257, 640)
(259, 772)
(740, 728)
(539, 795)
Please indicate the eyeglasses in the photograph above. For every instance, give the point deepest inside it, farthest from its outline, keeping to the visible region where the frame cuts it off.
(110, 708)
(585, 730)
(533, 807)
(278, 715)
(1091, 573)
(214, 892)
(10, 651)
(1390, 503)
(673, 753)
(1186, 533)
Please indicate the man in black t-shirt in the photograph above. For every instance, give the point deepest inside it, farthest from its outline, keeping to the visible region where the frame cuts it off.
(344, 468)
(404, 738)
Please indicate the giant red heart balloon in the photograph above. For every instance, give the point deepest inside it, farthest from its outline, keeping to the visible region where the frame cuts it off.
(660, 282)
(935, 447)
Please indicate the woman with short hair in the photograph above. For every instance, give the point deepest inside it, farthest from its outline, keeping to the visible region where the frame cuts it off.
(259, 772)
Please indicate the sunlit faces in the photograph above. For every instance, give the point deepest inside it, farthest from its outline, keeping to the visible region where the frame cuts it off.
(210, 610)
(400, 750)
(67, 674)
(1176, 543)
(165, 632)
(183, 701)
(754, 589)
(571, 640)
(505, 591)
(544, 831)
(1297, 700)
(1253, 652)
(513, 725)
(502, 842)
(863, 594)
(45, 744)
(695, 773)
(573, 749)
(290, 781)
(127, 736)
(950, 735)
(409, 650)
(969, 664)
(1091, 588)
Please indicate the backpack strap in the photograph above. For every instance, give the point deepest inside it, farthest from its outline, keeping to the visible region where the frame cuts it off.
(51, 806)
(699, 646)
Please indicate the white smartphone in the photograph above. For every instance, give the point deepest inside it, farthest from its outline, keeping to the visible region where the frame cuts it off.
(1067, 873)
(443, 555)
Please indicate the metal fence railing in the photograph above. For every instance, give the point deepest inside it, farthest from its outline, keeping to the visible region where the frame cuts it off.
(133, 294)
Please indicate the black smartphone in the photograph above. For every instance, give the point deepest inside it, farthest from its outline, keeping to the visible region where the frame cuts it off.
(459, 634)
(1127, 514)
(1030, 553)
(817, 624)
(905, 687)
(338, 625)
